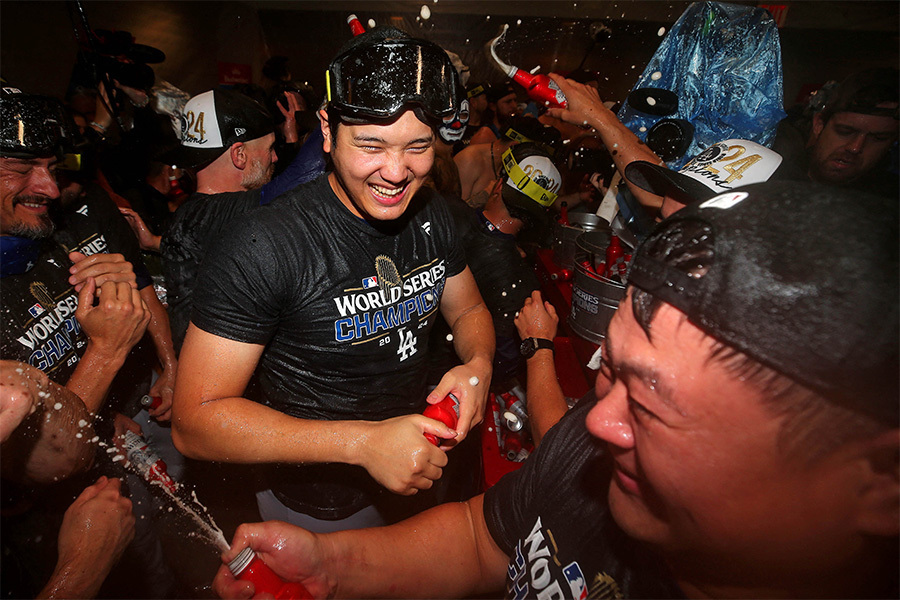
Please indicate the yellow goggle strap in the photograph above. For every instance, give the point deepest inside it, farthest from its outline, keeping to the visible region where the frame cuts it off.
(524, 183)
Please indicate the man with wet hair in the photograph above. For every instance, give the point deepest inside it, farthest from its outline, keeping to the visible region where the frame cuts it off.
(57, 344)
(744, 441)
(329, 294)
(48, 292)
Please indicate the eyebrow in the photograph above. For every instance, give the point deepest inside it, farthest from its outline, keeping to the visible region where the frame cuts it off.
(375, 138)
(650, 376)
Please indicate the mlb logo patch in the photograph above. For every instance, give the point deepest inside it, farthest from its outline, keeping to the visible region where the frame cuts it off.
(36, 310)
(369, 282)
(576, 581)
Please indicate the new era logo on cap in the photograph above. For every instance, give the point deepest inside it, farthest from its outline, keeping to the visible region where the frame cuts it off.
(215, 120)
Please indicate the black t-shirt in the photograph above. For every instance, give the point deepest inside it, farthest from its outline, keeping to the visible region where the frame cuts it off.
(503, 277)
(39, 325)
(344, 310)
(552, 518)
(195, 224)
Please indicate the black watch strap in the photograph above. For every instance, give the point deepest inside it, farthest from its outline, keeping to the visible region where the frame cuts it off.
(531, 345)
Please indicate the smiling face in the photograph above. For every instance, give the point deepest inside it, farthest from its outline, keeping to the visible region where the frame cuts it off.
(27, 188)
(698, 471)
(379, 168)
(848, 145)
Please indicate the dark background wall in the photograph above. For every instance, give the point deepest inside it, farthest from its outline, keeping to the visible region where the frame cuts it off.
(820, 40)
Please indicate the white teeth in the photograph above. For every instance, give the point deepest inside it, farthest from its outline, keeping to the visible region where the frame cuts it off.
(390, 193)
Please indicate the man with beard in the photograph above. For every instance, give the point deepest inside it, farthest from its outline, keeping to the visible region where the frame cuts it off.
(50, 319)
(48, 323)
(850, 138)
(229, 139)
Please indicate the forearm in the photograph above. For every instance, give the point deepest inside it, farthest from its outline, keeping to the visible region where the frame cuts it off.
(239, 430)
(75, 580)
(445, 552)
(474, 340)
(159, 329)
(53, 443)
(624, 147)
(94, 374)
(546, 402)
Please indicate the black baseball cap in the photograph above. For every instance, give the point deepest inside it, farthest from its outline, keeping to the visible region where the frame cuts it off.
(213, 121)
(803, 279)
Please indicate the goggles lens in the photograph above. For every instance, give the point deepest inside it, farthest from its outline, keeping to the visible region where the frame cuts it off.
(381, 79)
(34, 125)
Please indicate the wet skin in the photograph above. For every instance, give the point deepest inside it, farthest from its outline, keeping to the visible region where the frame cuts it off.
(27, 188)
(379, 168)
(698, 471)
(849, 145)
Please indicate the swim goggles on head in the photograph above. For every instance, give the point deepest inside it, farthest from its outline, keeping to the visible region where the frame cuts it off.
(33, 125)
(379, 80)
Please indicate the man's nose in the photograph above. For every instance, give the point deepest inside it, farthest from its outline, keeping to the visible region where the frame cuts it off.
(610, 419)
(42, 183)
(856, 144)
(394, 169)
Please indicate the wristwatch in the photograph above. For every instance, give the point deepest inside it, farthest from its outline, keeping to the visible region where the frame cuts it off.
(531, 345)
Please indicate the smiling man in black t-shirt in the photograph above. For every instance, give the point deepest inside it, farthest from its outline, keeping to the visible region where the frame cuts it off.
(331, 291)
(743, 442)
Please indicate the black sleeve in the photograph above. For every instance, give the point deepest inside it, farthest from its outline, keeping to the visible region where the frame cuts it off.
(240, 291)
(456, 257)
(510, 505)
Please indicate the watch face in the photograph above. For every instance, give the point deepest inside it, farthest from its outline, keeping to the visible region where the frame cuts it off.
(528, 347)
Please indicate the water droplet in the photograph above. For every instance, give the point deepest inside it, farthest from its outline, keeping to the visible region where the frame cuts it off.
(82, 423)
(449, 337)
(473, 381)
(661, 32)
(57, 406)
(78, 436)
(425, 13)
(642, 129)
(656, 75)
(651, 100)
(487, 18)
(371, 23)
(519, 22)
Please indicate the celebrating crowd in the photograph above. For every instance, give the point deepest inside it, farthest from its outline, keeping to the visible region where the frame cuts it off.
(292, 282)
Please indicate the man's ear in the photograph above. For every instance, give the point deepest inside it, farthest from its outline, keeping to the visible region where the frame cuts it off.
(326, 130)
(818, 124)
(879, 494)
(238, 155)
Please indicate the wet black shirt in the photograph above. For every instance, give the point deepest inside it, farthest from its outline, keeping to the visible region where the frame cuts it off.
(344, 310)
(195, 224)
(552, 518)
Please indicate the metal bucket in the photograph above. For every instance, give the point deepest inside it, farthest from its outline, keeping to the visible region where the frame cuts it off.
(594, 298)
(565, 236)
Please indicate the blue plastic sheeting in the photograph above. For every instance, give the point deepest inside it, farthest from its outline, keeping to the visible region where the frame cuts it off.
(723, 61)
